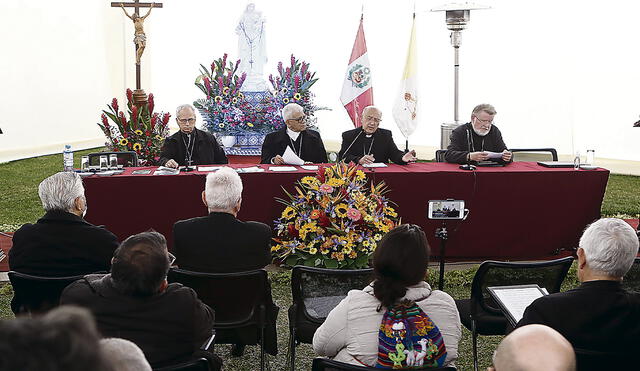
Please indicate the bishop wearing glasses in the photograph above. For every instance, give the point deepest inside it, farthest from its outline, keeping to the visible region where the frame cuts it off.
(305, 143)
(190, 146)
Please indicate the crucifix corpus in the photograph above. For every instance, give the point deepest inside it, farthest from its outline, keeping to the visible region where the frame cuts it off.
(139, 39)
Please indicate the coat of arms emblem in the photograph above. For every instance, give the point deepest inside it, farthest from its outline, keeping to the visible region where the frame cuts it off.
(359, 76)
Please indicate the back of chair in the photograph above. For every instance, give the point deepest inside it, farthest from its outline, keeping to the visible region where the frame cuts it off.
(548, 275)
(126, 159)
(36, 294)
(534, 154)
(325, 364)
(631, 281)
(440, 155)
(316, 291)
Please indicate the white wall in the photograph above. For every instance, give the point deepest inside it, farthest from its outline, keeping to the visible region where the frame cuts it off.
(560, 73)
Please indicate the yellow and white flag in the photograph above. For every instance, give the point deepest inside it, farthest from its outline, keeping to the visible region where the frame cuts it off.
(405, 109)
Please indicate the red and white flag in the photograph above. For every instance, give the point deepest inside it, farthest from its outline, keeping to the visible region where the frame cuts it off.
(357, 92)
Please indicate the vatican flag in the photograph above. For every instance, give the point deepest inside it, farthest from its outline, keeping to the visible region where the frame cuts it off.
(405, 109)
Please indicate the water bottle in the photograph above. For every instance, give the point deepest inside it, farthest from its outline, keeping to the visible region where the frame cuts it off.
(67, 158)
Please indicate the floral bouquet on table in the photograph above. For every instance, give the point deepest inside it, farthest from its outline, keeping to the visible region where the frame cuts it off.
(333, 220)
(293, 85)
(224, 106)
(143, 132)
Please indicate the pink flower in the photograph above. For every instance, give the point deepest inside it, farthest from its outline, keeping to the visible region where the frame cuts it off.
(296, 82)
(154, 119)
(325, 188)
(353, 214)
(288, 73)
(134, 115)
(303, 69)
(224, 60)
(129, 95)
(105, 122)
(293, 61)
(151, 103)
(220, 84)
(114, 104)
(308, 76)
(213, 66)
(165, 119)
(207, 84)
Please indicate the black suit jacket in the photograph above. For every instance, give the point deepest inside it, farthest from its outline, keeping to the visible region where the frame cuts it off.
(312, 147)
(465, 140)
(220, 243)
(206, 150)
(598, 315)
(383, 149)
(61, 244)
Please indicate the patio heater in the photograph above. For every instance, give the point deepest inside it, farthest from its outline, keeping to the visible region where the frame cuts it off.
(457, 16)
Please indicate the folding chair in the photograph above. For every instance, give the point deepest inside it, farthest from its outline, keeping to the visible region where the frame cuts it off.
(324, 364)
(37, 294)
(480, 314)
(126, 159)
(631, 280)
(440, 155)
(203, 360)
(315, 292)
(534, 154)
(240, 301)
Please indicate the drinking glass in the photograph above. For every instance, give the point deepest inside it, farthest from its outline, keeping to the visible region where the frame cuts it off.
(104, 164)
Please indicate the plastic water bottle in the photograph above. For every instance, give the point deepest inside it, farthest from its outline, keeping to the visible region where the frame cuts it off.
(67, 158)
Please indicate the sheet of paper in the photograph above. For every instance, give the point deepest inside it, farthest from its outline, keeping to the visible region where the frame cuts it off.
(310, 167)
(141, 172)
(282, 168)
(517, 300)
(162, 170)
(209, 168)
(494, 154)
(375, 164)
(252, 169)
(290, 158)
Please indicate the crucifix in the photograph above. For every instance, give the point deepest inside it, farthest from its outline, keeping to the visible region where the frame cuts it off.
(139, 39)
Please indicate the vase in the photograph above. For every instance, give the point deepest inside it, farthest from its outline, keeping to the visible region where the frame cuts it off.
(228, 140)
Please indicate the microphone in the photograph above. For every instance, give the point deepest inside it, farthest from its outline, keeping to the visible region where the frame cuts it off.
(349, 147)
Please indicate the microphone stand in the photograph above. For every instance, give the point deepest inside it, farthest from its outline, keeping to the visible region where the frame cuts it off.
(443, 235)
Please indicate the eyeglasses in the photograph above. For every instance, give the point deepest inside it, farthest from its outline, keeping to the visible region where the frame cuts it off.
(374, 119)
(484, 122)
(189, 120)
(172, 258)
(300, 119)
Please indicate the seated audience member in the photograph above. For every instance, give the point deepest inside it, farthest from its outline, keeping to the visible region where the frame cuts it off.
(65, 339)
(599, 315)
(219, 242)
(368, 143)
(123, 355)
(135, 302)
(62, 243)
(352, 332)
(532, 348)
(190, 146)
(305, 143)
(471, 142)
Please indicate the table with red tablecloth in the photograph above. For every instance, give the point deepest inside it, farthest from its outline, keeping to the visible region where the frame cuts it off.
(520, 211)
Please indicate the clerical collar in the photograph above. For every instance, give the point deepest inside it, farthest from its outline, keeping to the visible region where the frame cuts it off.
(293, 134)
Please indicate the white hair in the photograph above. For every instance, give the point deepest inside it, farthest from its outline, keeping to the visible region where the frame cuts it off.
(290, 109)
(371, 107)
(123, 355)
(185, 106)
(223, 189)
(610, 246)
(60, 190)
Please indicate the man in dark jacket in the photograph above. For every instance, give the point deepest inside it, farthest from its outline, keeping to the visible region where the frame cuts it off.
(135, 302)
(369, 144)
(62, 243)
(305, 143)
(472, 142)
(190, 146)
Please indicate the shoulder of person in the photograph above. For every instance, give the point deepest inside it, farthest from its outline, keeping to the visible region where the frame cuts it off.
(191, 221)
(89, 284)
(461, 129)
(179, 292)
(351, 133)
(313, 133)
(259, 226)
(385, 132)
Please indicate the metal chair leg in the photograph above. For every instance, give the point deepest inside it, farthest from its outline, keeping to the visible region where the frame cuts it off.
(474, 336)
(262, 348)
(292, 348)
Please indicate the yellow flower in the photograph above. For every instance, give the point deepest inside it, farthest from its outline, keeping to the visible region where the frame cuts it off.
(289, 212)
(335, 182)
(284, 90)
(297, 96)
(347, 250)
(309, 180)
(313, 250)
(249, 124)
(353, 254)
(137, 147)
(341, 210)
(360, 175)
(217, 99)
(234, 100)
(158, 137)
(138, 132)
(276, 248)
(285, 101)
(240, 95)
(225, 90)
(324, 250)
(390, 211)
(124, 142)
(220, 125)
(365, 243)
(377, 237)
(339, 256)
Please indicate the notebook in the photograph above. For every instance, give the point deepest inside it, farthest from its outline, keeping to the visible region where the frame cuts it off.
(555, 164)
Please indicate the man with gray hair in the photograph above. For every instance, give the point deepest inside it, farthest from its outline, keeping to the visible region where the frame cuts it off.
(62, 243)
(190, 146)
(305, 143)
(532, 348)
(219, 242)
(599, 315)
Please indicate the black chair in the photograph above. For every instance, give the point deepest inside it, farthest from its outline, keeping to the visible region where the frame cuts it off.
(126, 159)
(203, 360)
(37, 294)
(595, 360)
(240, 300)
(315, 292)
(481, 315)
(440, 155)
(534, 154)
(325, 364)
(631, 280)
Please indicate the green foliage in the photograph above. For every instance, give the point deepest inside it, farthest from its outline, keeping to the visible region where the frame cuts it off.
(622, 198)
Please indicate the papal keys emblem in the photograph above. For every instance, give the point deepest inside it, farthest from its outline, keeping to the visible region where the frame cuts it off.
(359, 76)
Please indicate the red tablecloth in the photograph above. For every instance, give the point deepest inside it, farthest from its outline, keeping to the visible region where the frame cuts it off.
(521, 211)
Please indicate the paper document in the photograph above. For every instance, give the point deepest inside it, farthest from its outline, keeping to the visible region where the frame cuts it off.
(282, 168)
(310, 167)
(2, 255)
(515, 299)
(252, 169)
(494, 154)
(375, 164)
(141, 172)
(209, 168)
(291, 158)
(163, 170)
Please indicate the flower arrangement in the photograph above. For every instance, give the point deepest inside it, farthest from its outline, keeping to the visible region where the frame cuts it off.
(293, 85)
(333, 220)
(143, 132)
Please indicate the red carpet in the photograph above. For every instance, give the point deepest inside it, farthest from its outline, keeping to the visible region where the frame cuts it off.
(5, 243)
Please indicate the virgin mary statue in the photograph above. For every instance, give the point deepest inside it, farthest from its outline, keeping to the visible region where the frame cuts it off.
(252, 48)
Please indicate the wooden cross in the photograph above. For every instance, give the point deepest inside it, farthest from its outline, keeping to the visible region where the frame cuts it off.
(136, 4)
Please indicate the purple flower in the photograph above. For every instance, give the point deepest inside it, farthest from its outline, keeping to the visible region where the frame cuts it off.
(224, 60)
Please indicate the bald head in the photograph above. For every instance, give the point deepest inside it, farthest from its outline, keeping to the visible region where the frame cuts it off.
(534, 347)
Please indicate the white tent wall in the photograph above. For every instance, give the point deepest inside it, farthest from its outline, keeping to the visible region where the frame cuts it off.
(561, 74)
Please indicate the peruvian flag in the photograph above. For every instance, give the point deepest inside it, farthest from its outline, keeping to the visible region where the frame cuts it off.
(357, 92)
